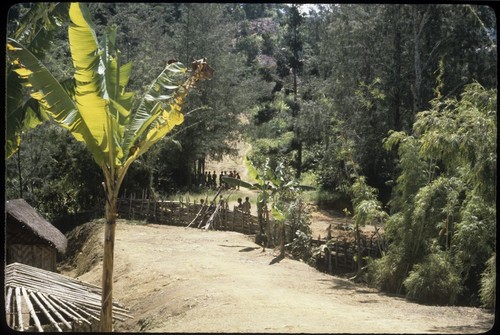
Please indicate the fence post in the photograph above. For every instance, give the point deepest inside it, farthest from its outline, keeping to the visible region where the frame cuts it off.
(337, 253)
(130, 207)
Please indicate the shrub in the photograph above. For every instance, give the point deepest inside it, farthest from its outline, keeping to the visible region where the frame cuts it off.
(387, 273)
(487, 293)
(433, 281)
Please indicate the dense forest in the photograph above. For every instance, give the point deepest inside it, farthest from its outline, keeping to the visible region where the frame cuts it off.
(391, 106)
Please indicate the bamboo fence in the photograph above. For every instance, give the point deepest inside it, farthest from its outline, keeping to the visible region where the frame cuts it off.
(338, 253)
(214, 215)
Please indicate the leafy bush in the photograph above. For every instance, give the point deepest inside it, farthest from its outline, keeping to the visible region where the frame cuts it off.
(301, 247)
(387, 273)
(54, 173)
(487, 292)
(433, 281)
(300, 232)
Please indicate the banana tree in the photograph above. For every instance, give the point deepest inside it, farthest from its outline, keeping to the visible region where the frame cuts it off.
(97, 110)
(272, 185)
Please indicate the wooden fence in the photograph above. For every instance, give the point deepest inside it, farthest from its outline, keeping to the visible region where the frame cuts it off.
(339, 254)
(182, 212)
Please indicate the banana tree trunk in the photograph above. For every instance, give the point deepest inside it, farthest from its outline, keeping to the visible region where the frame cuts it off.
(283, 242)
(358, 251)
(106, 322)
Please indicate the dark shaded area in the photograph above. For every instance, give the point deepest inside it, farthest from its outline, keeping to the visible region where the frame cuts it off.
(276, 260)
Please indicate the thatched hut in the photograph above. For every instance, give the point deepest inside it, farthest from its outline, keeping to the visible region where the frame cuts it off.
(30, 239)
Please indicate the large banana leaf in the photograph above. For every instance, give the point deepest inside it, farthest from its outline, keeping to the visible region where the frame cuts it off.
(91, 96)
(238, 182)
(20, 114)
(158, 112)
(35, 28)
(34, 31)
(50, 94)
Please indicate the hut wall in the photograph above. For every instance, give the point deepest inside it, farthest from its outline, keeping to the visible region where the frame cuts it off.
(40, 256)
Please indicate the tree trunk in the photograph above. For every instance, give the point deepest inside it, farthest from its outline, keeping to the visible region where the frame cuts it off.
(283, 242)
(298, 161)
(358, 251)
(19, 172)
(418, 26)
(396, 66)
(106, 322)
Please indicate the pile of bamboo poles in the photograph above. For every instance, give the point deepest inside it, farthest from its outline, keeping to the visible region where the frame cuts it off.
(51, 298)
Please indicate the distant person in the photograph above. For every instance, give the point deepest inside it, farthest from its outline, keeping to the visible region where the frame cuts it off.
(206, 181)
(247, 206)
(231, 175)
(214, 180)
(240, 204)
(238, 177)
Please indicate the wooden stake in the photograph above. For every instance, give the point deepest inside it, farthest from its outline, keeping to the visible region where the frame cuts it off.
(53, 310)
(7, 307)
(31, 310)
(18, 307)
(47, 314)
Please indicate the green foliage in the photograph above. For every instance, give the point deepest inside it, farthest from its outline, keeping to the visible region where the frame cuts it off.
(54, 173)
(488, 284)
(251, 45)
(387, 273)
(444, 205)
(434, 280)
(34, 27)
(462, 134)
(300, 246)
(474, 239)
(413, 169)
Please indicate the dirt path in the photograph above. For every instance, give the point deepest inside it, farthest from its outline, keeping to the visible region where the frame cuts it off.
(231, 163)
(175, 279)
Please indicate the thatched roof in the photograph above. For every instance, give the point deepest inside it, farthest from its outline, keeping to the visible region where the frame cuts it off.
(51, 299)
(27, 216)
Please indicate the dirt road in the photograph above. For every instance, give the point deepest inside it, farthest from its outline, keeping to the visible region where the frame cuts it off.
(177, 279)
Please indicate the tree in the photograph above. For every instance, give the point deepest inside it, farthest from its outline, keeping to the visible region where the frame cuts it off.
(293, 41)
(214, 125)
(59, 176)
(274, 185)
(97, 110)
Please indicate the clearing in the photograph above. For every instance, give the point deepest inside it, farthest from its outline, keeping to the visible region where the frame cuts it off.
(177, 279)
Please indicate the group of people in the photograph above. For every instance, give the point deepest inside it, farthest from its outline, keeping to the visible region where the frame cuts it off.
(244, 206)
(212, 180)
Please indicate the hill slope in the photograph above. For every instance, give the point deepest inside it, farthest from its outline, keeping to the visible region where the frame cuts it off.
(175, 279)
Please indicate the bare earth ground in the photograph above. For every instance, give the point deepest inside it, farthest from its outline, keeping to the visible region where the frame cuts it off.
(176, 279)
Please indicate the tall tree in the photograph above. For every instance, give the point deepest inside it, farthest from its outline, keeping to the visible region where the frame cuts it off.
(97, 110)
(214, 125)
(294, 44)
